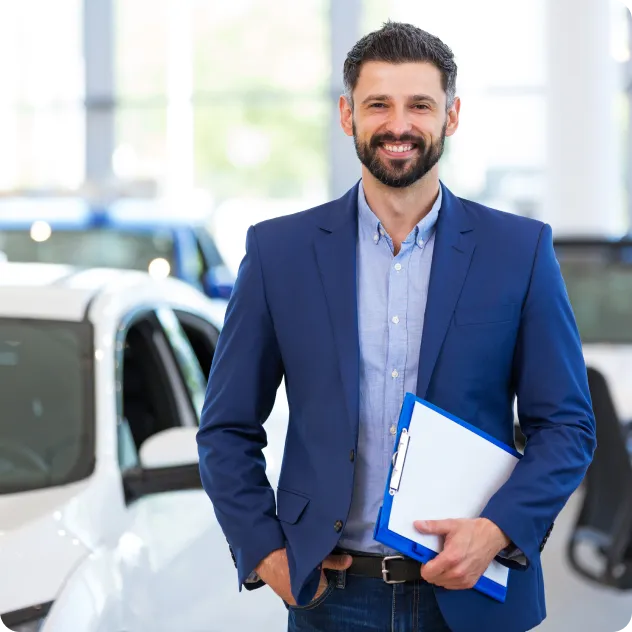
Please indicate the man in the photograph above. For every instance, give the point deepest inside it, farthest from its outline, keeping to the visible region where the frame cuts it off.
(397, 286)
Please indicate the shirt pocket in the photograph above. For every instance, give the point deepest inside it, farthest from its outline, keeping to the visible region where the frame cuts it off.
(485, 314)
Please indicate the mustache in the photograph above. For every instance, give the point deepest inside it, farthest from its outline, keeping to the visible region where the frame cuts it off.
(387, 137)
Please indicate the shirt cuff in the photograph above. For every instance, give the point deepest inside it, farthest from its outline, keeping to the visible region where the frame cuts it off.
(513, 553)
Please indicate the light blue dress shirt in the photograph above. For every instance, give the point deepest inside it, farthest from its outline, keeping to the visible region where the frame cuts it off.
(392, 295)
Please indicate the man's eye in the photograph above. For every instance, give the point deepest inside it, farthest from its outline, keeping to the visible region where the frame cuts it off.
(377, 105)
(421, 106)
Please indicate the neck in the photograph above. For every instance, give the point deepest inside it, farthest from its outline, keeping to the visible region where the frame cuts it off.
(400, 210)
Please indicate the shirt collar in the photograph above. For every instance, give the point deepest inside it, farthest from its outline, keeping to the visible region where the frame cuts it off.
(372, 227)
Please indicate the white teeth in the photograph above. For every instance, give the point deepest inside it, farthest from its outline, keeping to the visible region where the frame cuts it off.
(398, 148)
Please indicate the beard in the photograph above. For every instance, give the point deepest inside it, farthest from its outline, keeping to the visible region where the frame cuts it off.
(399, 173)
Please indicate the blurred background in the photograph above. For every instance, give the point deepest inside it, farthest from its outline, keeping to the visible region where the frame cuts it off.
(150, 134)
(230, 109)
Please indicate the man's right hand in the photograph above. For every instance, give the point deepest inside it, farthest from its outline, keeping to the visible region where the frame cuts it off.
(275, 572)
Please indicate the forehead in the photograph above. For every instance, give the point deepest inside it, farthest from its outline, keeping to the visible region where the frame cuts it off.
(399, 80)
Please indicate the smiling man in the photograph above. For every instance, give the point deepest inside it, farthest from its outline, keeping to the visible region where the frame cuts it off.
(399, 286)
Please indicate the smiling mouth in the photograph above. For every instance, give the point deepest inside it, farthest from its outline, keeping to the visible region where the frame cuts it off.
(398, 150)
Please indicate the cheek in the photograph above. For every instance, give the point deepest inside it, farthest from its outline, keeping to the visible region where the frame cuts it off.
(428, 131)
(364, 133)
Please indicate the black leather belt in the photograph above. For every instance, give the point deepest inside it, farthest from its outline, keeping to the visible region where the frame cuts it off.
(393, 569)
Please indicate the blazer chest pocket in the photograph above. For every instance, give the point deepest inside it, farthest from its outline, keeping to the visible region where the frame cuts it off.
(482, 315)
(290, 506)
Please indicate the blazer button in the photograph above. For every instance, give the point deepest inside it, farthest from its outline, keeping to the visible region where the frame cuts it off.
(338, 526)
(352, 456)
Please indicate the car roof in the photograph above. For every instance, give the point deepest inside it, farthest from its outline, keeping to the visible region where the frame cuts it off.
(46, 291)
(581, 241)
(78, 214)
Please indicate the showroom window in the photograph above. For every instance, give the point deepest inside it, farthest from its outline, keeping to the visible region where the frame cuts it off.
(41, 110)
(498, 155)
(223, 96)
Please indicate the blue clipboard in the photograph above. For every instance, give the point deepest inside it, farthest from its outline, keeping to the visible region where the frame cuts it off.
(415, 550)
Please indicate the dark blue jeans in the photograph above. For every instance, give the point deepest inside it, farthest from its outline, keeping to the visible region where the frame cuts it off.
(353, 603)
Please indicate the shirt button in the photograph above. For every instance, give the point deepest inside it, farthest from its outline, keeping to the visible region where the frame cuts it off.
(393, 430)
(398, 266)
(382, 232)
(395, 373)
(395, 319)
(376, 238)
(421, 242)
(338, 526)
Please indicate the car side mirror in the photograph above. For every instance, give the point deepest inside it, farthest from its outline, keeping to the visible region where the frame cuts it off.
(170, 448)
(218, 282)
(168, 463)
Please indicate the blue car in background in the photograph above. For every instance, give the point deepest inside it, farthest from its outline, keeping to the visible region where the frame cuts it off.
(128, 233)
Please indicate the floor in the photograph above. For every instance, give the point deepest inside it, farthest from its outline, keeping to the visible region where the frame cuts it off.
(572, 603)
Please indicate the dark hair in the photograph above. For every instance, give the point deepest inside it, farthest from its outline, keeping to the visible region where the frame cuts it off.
(398, 43)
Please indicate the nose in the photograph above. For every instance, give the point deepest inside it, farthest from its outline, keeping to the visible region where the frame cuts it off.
(399, 122)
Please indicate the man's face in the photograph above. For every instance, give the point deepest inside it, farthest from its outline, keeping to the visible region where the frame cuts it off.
(399, 120)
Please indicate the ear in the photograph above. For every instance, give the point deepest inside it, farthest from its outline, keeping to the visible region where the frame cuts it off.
(453, 117)
(346, 115)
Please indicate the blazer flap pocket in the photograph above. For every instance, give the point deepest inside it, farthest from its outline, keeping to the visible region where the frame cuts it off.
(478, 315)
(290, 505)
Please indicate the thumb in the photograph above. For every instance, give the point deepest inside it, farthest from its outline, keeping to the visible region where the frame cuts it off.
(337, 562)
(435, 527)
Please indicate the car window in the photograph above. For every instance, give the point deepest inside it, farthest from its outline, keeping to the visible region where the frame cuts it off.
(46, 390)
(188, 364)
(599, 283)
(147, 250)
(202, 336)
(192, 264)
(153, 396)
(208, 247)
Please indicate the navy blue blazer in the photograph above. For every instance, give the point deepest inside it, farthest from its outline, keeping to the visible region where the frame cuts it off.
(498, 325)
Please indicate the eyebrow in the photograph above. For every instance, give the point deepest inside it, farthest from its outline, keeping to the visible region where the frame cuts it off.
(423, 97)
(415, 98)
(376, 97)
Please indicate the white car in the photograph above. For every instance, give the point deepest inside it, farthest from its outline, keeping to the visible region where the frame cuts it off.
(103, 524)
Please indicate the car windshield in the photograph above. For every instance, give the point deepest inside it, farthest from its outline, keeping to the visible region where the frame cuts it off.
(46, 423)
(599, 282)
(96, 247)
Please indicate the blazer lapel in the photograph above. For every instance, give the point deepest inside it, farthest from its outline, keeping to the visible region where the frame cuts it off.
(453, 249)
(335, 247)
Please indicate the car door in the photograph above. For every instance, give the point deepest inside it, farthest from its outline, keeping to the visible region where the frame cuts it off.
(164, 586)
(192, 583)
(194, 338)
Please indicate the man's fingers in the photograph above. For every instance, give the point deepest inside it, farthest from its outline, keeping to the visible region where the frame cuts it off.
(456, 580)
(337, 562)
(433, 570)
(445, 562)
(435, 527)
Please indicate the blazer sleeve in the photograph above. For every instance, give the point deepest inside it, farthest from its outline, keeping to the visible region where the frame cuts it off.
(554, 410)
(245, 375)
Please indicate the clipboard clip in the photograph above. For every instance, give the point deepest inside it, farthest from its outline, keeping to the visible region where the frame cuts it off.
(398, 462)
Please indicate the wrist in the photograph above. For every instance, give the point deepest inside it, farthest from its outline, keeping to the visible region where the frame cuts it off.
(497, 535)
(268, 561)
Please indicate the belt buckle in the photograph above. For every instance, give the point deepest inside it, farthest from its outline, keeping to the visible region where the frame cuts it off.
(385, 571)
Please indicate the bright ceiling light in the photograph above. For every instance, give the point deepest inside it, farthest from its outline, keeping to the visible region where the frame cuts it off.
(40, 231)
(159, 268)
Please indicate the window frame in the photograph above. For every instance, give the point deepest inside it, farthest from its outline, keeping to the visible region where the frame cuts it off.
(181, 347)
(204, 326)
(182, 401)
